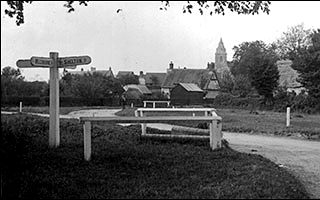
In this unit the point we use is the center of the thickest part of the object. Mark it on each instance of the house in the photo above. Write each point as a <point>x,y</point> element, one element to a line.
<point>136,93</point>
<point>140,88</point>
<point>152,80</point>
<point>124,73</point>
<point>288,76</point>
<point>186,94</point>
<point>107,73</point>
<point>205,79</point>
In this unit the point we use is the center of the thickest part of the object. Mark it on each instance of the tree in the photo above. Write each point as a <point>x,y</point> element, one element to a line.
<point>307,63</point>
<point>90,86</point>
<point>227,82</point>
<point>257,61</point>
<point>242,85</point>
<point>11,79</point>
<point>296,38</point>
<point>16,8</point>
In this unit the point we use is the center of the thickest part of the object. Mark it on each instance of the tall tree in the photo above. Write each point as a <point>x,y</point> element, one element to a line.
<point>291,41</point>
<point>16,8</point>
<point>11,79</point>
<point>257,61</point>
<point>307,63</point>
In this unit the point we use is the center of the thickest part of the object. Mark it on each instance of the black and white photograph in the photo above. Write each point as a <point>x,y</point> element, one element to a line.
<point>160,100</point>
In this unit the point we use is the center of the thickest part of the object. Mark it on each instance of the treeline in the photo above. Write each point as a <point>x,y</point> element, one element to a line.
<point>254,77</point>
<point>75,90</point>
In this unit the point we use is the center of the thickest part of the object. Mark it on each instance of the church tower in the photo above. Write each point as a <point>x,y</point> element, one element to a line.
<point>221,64</point>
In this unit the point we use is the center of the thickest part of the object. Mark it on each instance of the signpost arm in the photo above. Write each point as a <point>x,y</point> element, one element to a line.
<point>54,133</point>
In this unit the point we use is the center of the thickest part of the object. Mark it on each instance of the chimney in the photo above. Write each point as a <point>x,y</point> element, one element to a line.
<point>109,68</point>
<point>210,66</point>
<point>141,73</point>
<point>171,65</point>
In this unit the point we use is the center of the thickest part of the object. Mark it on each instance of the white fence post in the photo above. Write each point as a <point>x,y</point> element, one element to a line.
<point>143,125</point>
<point>20,110</point>
<point>288,116</point>
<point>87,140</point>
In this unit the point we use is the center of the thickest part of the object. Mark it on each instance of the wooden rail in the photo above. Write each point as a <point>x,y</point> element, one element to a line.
<point>139,113</point>
<point>214,129</point>
<point>154,103</point>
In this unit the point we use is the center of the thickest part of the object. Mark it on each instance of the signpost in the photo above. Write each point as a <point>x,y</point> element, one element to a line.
<point>54,63</point>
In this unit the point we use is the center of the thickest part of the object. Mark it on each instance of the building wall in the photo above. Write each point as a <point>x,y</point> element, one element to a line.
<point>180,96</point>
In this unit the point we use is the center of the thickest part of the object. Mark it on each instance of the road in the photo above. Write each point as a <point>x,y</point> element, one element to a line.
<point>301,157</point>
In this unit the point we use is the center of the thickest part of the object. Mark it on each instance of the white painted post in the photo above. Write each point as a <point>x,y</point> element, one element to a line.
<point>213,134</point>
<point>87,140</point>
<point>168,103</point>
<point>206,113</point>
<point>144,104</point>
<point>193,114</point>
<point>288,116</point>
<point>54,132</point>
<point>20,110</point>
<point>219,134</point>
<point>143,126</point>
<point>131,105</point>
<point>154,104</point>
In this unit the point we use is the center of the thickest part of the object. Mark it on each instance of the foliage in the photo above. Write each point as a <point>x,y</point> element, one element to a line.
<point>16,8</point>
<point>90,86</point>
<point>227,82</point>
<point>292,41</point>
<point>307,63</point>
<point>257,61</point>
<point>242,86</point>
<point>13,84</point>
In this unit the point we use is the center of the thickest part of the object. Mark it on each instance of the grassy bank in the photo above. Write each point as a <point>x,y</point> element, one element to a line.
<point>124,165</point>
<point>303,126</point>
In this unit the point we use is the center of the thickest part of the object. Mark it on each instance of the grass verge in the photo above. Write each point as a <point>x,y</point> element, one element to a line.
<point>304,126</point>
<point>124,165</point>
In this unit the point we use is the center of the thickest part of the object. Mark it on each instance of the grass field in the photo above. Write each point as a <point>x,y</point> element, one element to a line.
<point>124,165</point>
<point>303,126</point>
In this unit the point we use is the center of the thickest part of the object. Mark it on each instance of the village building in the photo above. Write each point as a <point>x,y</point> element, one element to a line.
<point>107,73</point>
<point>124,73</point>
<point>221,64</point>
<point>288,77</point>
<point>136,93</point>
<point>152,80</point>
<point>186,94</point>
<point>205,79</point>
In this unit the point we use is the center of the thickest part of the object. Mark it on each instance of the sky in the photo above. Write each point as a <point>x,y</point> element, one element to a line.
<point>141,37</point>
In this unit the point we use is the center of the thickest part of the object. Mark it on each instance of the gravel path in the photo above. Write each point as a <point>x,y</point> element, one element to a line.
<point>301,157</point>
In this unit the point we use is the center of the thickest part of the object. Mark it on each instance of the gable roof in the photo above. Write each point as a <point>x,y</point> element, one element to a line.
<point>288,76</point>
<point>190,87</point>
<point>124,73</point>
<point>159,77</point>
<point>185,76</point>
<point>141,88</point>
<point>107,73</point>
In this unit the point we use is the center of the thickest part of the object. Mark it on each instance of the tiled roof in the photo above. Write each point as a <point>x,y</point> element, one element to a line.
<point>159,76</point>
<point>141,88</point>
<point>191,87</point>
<point>288,76</point>
<point>185,76</point>
<point>124,73</point>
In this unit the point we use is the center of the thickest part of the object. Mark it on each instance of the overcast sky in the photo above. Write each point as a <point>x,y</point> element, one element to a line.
<point>141,37</point>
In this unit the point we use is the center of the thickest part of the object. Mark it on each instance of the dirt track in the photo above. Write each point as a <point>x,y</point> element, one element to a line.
<point>301,157</point>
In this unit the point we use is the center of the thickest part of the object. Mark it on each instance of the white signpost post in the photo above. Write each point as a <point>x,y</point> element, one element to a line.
<point>54,63</point>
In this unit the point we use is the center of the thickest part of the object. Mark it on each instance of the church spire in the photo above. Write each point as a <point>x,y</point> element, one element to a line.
<point>221,48</point>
